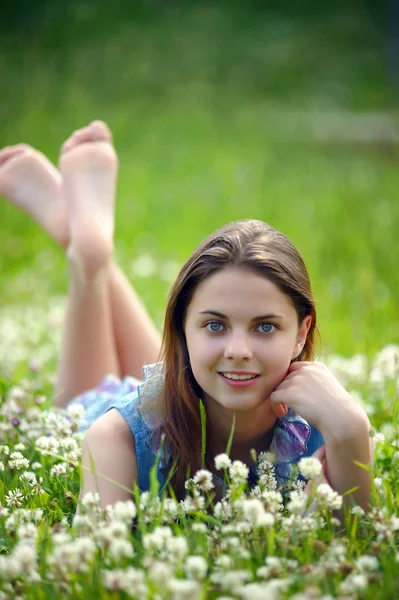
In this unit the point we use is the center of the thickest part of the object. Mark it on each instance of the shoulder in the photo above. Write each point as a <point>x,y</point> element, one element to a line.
<point>109,460</point>
<point>111,426</point>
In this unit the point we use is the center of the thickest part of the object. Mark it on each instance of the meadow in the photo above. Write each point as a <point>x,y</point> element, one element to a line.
<point>219,112</point>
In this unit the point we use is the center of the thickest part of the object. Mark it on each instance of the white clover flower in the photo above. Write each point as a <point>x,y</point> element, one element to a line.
<point>354,582</point>
<point>386,362</point>
<point>170,509</point>
<point>272,501</point>
<point>28,531</point>
<point>258,591</point>
<point>18,461</point>
<point>91,500</point>
<point>124,511</point>
<point>36,465</point>
<point>394,523</point>
<point>81,522</point>
<point>26,556</point>
<point>266,457</point>
<point>20,447</point>
<point>59,469</point>
<point>203,479</point>
<point>329,497</point>
<point>297,503</point>
<point>28,477</point>
<point>379,437</point>
<point>222,461</point>
<point>130,580</point>
<point>192,504</point>
<point>243,527</point>
<point>76,411</point>
<point>117,529</point>
<point>310,467</point>
<point>367,563</point>
<point>1,466</point>
<point>73,457</point>
<point>255,514</point>
<point>196,567</point>
<point>199,528</point>
<point>223,510</point>
<point>266,470</point>
<point>5,450</point>
<point>231,580</point>
<point>120,549</point>
<point>184,589</point>
<point>85,548</point>
<point>223,561</point>
<point>48,446</point>
<point>177,547</point>
<point>238,472</point>
<point>14,498</point>
<point>230,543</point>
<point>357,511</point>
<point>105,534</point>
<point>160,572</point>
<point>157,540</point>
<point>69,444</point>
<point>337,551</point>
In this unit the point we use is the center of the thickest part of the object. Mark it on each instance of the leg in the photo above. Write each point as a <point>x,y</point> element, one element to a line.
<point>88,349</point>
<point>137,340</point>
<point>89,191</point>
<point>31,182</point>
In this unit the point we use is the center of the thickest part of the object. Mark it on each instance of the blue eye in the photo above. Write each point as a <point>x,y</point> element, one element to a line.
<point>267,327</point>
<point>214,326</point>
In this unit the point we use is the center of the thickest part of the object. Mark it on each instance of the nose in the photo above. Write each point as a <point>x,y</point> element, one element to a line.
<point>238,346</point>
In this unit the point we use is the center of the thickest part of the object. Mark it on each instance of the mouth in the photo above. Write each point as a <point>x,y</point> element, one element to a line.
<point>240,379</point>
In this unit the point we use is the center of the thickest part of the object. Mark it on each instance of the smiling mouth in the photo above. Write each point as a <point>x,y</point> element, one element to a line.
<point>237,377</point>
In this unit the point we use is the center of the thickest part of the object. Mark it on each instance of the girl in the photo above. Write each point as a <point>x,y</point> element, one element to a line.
<point>239,334</point>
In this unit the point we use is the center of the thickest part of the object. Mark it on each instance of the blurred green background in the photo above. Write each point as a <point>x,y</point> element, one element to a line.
<point>285,112</point>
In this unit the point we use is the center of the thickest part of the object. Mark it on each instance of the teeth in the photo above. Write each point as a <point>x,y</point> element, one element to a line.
<point>234,376</point>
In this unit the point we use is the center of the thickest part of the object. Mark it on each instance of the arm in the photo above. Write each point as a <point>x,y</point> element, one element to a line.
<point>315,394</point>
<point>111,446</point>
<point>344,446</point>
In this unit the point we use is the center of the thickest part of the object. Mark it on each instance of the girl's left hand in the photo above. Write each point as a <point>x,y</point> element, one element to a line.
<point>313,392</point>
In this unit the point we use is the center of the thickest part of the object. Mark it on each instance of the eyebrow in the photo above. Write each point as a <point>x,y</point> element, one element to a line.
<point>260,318</point>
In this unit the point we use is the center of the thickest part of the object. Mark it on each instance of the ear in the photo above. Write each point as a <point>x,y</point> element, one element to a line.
<point>301,336</point>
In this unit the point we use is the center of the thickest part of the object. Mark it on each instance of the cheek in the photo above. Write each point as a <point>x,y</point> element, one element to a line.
<point>277,360</point>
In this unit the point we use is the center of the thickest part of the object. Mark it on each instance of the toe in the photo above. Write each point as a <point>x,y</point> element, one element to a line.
<point>95,132</point>
<point>78,137</point>
<point>11,151</point>
<point>100,131</point>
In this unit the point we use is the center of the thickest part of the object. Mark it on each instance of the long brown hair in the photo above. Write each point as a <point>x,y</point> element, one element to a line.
<point>251,244</point>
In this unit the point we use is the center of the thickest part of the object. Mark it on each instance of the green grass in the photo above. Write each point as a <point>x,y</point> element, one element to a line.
<point>46,552</point>
<point>197,96</point>
<point>191,93</point>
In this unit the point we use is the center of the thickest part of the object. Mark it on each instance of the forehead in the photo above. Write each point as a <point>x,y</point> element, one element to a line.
<point>239,290</point>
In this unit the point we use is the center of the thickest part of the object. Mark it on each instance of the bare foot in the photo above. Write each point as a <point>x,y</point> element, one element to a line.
<point>88,165</point>
<point>31,182</point>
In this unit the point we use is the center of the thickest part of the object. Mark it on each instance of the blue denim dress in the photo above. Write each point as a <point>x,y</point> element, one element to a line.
<point>293,437</point>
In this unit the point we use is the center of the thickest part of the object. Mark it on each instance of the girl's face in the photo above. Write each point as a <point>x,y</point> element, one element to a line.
<point>242,333</point>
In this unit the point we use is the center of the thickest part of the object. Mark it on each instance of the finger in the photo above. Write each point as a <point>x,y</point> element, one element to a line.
<point>286,383</point>
<point>280,410</point>
<point>295,366</point>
